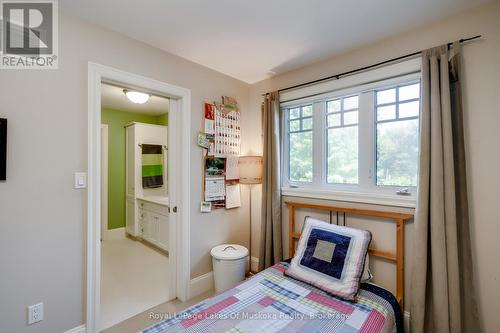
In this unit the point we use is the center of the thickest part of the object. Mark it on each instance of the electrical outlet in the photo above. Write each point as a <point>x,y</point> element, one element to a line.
<point>35,313</point>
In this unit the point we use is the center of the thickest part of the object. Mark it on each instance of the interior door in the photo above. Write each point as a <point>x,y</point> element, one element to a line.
<point>174,172</point>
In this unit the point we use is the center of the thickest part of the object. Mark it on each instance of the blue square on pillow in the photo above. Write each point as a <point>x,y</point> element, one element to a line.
<point>326,252</point>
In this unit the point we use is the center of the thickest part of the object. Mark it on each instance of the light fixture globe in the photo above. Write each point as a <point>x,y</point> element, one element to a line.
<point>136,96</point>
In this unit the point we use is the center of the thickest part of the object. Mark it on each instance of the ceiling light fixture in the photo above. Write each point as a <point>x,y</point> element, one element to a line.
<point>136,96</point>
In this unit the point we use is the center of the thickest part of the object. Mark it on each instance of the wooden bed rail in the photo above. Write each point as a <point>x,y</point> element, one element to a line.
<point>398,218</point>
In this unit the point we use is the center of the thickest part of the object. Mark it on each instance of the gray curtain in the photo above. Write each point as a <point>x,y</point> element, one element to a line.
<point>270,236</point>
<point>443,298</point>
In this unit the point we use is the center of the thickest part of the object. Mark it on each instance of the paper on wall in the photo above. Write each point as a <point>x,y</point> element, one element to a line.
<point>209,126</point>
<point>233,197</point>
<point>232,168</point>
<point>203,140</point>
<point>205,207</point>
<point>211,149</point>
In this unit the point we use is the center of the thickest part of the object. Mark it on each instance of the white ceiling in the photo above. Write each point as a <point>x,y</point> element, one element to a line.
<point>112,97</point>
<point>254,39</point>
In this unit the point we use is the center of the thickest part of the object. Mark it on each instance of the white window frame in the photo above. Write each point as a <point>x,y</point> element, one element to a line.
<point>286,116</point>
<point>397,102</point>
<point>366,191</point>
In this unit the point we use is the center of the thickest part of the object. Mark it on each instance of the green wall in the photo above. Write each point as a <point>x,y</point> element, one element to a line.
<point>116,120</point>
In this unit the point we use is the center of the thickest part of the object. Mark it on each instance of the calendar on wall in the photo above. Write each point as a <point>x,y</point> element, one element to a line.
<point>221,140</point>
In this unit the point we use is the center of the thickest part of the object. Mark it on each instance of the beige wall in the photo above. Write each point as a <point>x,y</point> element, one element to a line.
<point>42,219</point>
<point>482,116</point>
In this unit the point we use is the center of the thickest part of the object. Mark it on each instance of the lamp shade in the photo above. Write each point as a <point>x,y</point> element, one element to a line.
<point>250,168</point>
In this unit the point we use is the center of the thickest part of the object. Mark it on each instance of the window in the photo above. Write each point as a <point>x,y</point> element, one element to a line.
<point>342,140</point>
<point>397,135</point>
<point>358,140</point>
<point>300,138</point>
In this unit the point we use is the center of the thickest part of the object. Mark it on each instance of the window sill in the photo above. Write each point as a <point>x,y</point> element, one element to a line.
<point>357,197</point>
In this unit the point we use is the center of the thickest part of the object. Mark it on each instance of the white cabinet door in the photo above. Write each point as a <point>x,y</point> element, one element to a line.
<point>163,232</point>
<point>149,227</point>
<point>141,218</point>
<point>130,217</point>
<point>154,225</point>
<point>155,228</point>
<point>130,164</point>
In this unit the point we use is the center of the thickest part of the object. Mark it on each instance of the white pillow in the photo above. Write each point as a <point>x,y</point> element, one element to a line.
<point>330,257</point>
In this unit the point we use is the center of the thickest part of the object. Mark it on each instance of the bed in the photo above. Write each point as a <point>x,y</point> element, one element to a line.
<point>272,302</point>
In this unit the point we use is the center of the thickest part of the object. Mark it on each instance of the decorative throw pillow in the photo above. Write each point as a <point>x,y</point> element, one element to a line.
<point>330,257</point>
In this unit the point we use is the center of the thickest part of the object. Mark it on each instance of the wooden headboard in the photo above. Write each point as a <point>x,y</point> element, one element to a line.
<point>397,218</point>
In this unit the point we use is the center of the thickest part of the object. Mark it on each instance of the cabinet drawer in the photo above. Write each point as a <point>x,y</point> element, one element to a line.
<point>154,208</point>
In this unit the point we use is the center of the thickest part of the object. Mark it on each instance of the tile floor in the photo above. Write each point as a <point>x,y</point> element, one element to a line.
<point>133,279</point>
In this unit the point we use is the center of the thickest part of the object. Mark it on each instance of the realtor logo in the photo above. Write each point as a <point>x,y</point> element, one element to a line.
<point>28,34</point>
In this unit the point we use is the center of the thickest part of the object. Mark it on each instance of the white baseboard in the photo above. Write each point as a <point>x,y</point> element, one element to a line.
<point>79,329</point>
<point>114,234</point>
<point>204,283</point>
<point>406,321</point>
<point>201,284</point>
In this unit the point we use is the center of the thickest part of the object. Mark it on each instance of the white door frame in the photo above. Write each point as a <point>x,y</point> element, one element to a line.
<point>104,180</point>
<point>179,146</point>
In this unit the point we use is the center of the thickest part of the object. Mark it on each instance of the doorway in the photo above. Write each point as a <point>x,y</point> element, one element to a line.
<point>135,261</point>
<point>172,182</point>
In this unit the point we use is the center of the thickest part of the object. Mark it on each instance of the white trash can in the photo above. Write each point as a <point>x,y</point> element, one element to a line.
<point>229,264</point>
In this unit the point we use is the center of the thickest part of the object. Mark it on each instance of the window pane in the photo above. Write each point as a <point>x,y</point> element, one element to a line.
<point>334,119</point>
<point>411,109</point>
<point>397,153</point>
<point>386,112</point>
<point>301,165</point>
<point>307,124</point>
<point>409,92</point>
<point>351,118</point>
<point>295,125</point>
<point>386,96</point>
<point>294,113</point>
<point>333,106</point>
<point>343,155</point>
<point>307,111</point>
<point>351,103</point>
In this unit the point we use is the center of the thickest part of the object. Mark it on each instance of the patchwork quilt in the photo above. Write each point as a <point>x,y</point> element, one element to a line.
<point>271,302</point>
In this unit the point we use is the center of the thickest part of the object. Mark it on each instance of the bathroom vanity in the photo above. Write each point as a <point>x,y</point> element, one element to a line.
<point>153,220</point>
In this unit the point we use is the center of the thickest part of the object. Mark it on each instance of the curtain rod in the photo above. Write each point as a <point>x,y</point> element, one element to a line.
<point>338,76</point>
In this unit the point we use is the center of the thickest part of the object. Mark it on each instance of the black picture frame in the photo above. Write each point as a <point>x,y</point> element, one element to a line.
<point>3,149</point>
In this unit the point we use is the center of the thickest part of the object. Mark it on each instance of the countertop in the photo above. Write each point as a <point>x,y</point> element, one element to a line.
<point>155,199</point>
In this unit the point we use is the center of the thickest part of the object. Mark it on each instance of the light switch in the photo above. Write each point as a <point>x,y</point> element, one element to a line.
<point>80,180</point>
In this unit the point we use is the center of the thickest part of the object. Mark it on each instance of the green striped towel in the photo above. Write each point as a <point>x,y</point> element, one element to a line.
<point>152,166</point>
